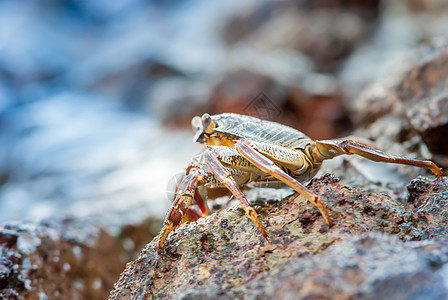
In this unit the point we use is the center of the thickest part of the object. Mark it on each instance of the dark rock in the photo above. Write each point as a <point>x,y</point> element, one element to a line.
<point>325,31</point>
<point>424,6</point>
<point>371,266</point>
<point>68,259</point>
<point>410,108</point>
<point>304,257</point>
<point>428,200</point>
<point>421,189</point>
<point>134,237</point>
<point>424,91</point>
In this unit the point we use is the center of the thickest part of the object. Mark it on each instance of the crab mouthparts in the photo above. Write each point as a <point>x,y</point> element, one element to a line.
<point>200,137</point>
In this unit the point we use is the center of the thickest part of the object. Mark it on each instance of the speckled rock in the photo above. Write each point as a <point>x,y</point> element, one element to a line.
<point>68,259</point>
<point>371,266</point>
<point>225,256</point>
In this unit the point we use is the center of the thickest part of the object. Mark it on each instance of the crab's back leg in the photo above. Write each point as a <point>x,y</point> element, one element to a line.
<point>250,152</point>
<point>226,178</point>
<point>331,148</point>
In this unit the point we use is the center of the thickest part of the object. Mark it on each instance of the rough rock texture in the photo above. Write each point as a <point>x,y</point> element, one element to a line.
<point>424,91</point>
<point>69,259</point>
<point>372,266</point>
<point>410,105</point>
<point>224,256</point>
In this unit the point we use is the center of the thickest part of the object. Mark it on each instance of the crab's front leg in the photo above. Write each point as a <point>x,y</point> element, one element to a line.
<point>184,197</point>
<point>226,178</point>
<point>331,148</point>
<point>206,172</point>
<point>251,151</point>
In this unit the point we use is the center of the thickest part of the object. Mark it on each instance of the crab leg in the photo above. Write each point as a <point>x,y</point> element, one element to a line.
<point>194,212</point>
<point>199,195</point>
<point>331,148</point>
<point>184,196</point>
<point>193,188</point>
<point>226,178</point>
<point>249,151</point>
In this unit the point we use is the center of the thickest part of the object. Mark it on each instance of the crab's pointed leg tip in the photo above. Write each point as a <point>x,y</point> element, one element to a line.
<point>161,240</point>
<point>158,248</point>
<point>328,221</point>
<point>263,232</point>
<point>266,236</point>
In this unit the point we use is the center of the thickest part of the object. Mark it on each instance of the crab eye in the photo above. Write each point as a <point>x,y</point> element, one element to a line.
<point>206,120</point>
<point>196,123</point>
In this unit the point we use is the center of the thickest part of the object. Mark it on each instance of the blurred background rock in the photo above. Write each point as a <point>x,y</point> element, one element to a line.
<point>96,97</point>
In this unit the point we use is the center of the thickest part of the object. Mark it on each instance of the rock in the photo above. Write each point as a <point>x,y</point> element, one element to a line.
<point>68,259</point>
<point>224,256</point>
<point>410,107</point>
<point>371,266</point>
<point>420,6</point>
<point>424,92</point>
<point>133,237</point>
<point>377,101</point>
<point>325,31</point>
<point>427,199</point>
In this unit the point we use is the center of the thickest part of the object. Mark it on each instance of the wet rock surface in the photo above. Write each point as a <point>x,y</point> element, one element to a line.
<point>224,256</point>
<point>67,259</point>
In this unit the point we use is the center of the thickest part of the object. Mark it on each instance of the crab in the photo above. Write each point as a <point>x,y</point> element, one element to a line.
<point>241,149</point>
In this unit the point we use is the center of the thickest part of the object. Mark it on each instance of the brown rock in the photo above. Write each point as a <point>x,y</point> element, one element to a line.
<point>371,266</point>
<point>326,31</point>
<point>224,256</point>
<point>424,90</point>
<point>409,107</point>
<point>69,259</point>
